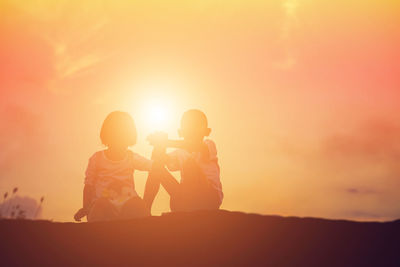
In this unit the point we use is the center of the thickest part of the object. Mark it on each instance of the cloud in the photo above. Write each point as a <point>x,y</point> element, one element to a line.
<point>77,53</point>
<point>21,136</point>
<point>353,173</point>
<point>378,138</point>
<point>366,162</point>
<point>360,191</point>
<point>42,56</point>
<point>289,22</point>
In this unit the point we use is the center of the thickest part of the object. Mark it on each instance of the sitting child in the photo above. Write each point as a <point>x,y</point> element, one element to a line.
<point>109,191</point>
<point>200,186</point>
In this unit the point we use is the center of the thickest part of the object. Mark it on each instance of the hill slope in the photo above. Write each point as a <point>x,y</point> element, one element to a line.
<point>203,239</point>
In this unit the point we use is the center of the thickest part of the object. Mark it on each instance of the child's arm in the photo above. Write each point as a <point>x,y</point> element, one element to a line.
<point>89,191</point>
<point>160,142</point>
<point>88,196</point>
<point>161,158</point>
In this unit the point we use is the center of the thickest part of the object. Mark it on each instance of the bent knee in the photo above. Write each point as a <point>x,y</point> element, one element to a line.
<point>101,201</point>
<point>102,209</point>
<point>135,207</point>
<point>135,203</point>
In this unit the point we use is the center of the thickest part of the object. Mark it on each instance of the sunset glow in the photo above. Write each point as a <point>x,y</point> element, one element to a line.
<point>302,97</point>
<point>157,115</point>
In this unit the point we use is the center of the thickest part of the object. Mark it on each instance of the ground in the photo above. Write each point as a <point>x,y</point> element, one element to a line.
<point>203,238</point>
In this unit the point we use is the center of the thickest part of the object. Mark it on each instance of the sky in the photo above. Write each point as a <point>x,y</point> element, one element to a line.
<point>302,97</point>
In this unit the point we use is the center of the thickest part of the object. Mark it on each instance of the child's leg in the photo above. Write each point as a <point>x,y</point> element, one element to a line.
<point>210,199</point>
<point>102,210</point>
<point>198,195</point>
<point>151,189</point>
<point>170,184</point>
<point>155,178</point>
<point>194,194</point>
<point>135,207</point>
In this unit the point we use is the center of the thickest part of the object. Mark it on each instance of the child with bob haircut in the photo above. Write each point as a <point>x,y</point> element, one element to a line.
<point>196,159</point>
<point>109,191</point>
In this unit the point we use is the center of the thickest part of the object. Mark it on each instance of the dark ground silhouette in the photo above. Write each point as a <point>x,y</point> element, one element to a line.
<point>214,238</point>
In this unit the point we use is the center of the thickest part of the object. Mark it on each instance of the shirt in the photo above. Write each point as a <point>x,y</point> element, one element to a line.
<point>208,165</point>
<point>114,179</point>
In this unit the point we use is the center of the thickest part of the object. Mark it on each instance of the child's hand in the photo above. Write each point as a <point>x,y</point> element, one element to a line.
<point>80,214</point>
<point>158,139</point>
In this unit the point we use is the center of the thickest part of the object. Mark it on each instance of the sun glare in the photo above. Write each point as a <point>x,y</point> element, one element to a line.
<point>157,115</point>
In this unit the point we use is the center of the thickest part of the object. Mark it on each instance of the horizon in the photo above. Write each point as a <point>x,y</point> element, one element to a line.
<point>301,96</point>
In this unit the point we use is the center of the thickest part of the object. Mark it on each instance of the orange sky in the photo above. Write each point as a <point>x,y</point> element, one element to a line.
<point>302,96</point>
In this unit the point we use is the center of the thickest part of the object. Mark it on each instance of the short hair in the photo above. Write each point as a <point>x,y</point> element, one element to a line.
<point>194,118</point>
<point>118,129</point>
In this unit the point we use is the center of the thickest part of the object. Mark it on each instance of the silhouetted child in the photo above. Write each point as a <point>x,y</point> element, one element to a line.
<point>200,186</point>
<point>109,191</point>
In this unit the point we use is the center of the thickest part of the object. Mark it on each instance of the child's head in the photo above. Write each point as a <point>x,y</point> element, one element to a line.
<point>194,125</point>
<point>118,130</point>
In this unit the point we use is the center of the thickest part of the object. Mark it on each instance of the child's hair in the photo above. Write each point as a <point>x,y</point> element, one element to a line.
<point>194,124</point>
<point>118,129</point>
<point>194,118</point>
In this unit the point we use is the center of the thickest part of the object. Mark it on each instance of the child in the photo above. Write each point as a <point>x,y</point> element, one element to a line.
<point>109,191</point>
<point>200,187</point>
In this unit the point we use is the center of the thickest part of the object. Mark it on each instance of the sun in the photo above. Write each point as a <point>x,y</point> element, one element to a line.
<point>157,114</point>
<point>154,107</point>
